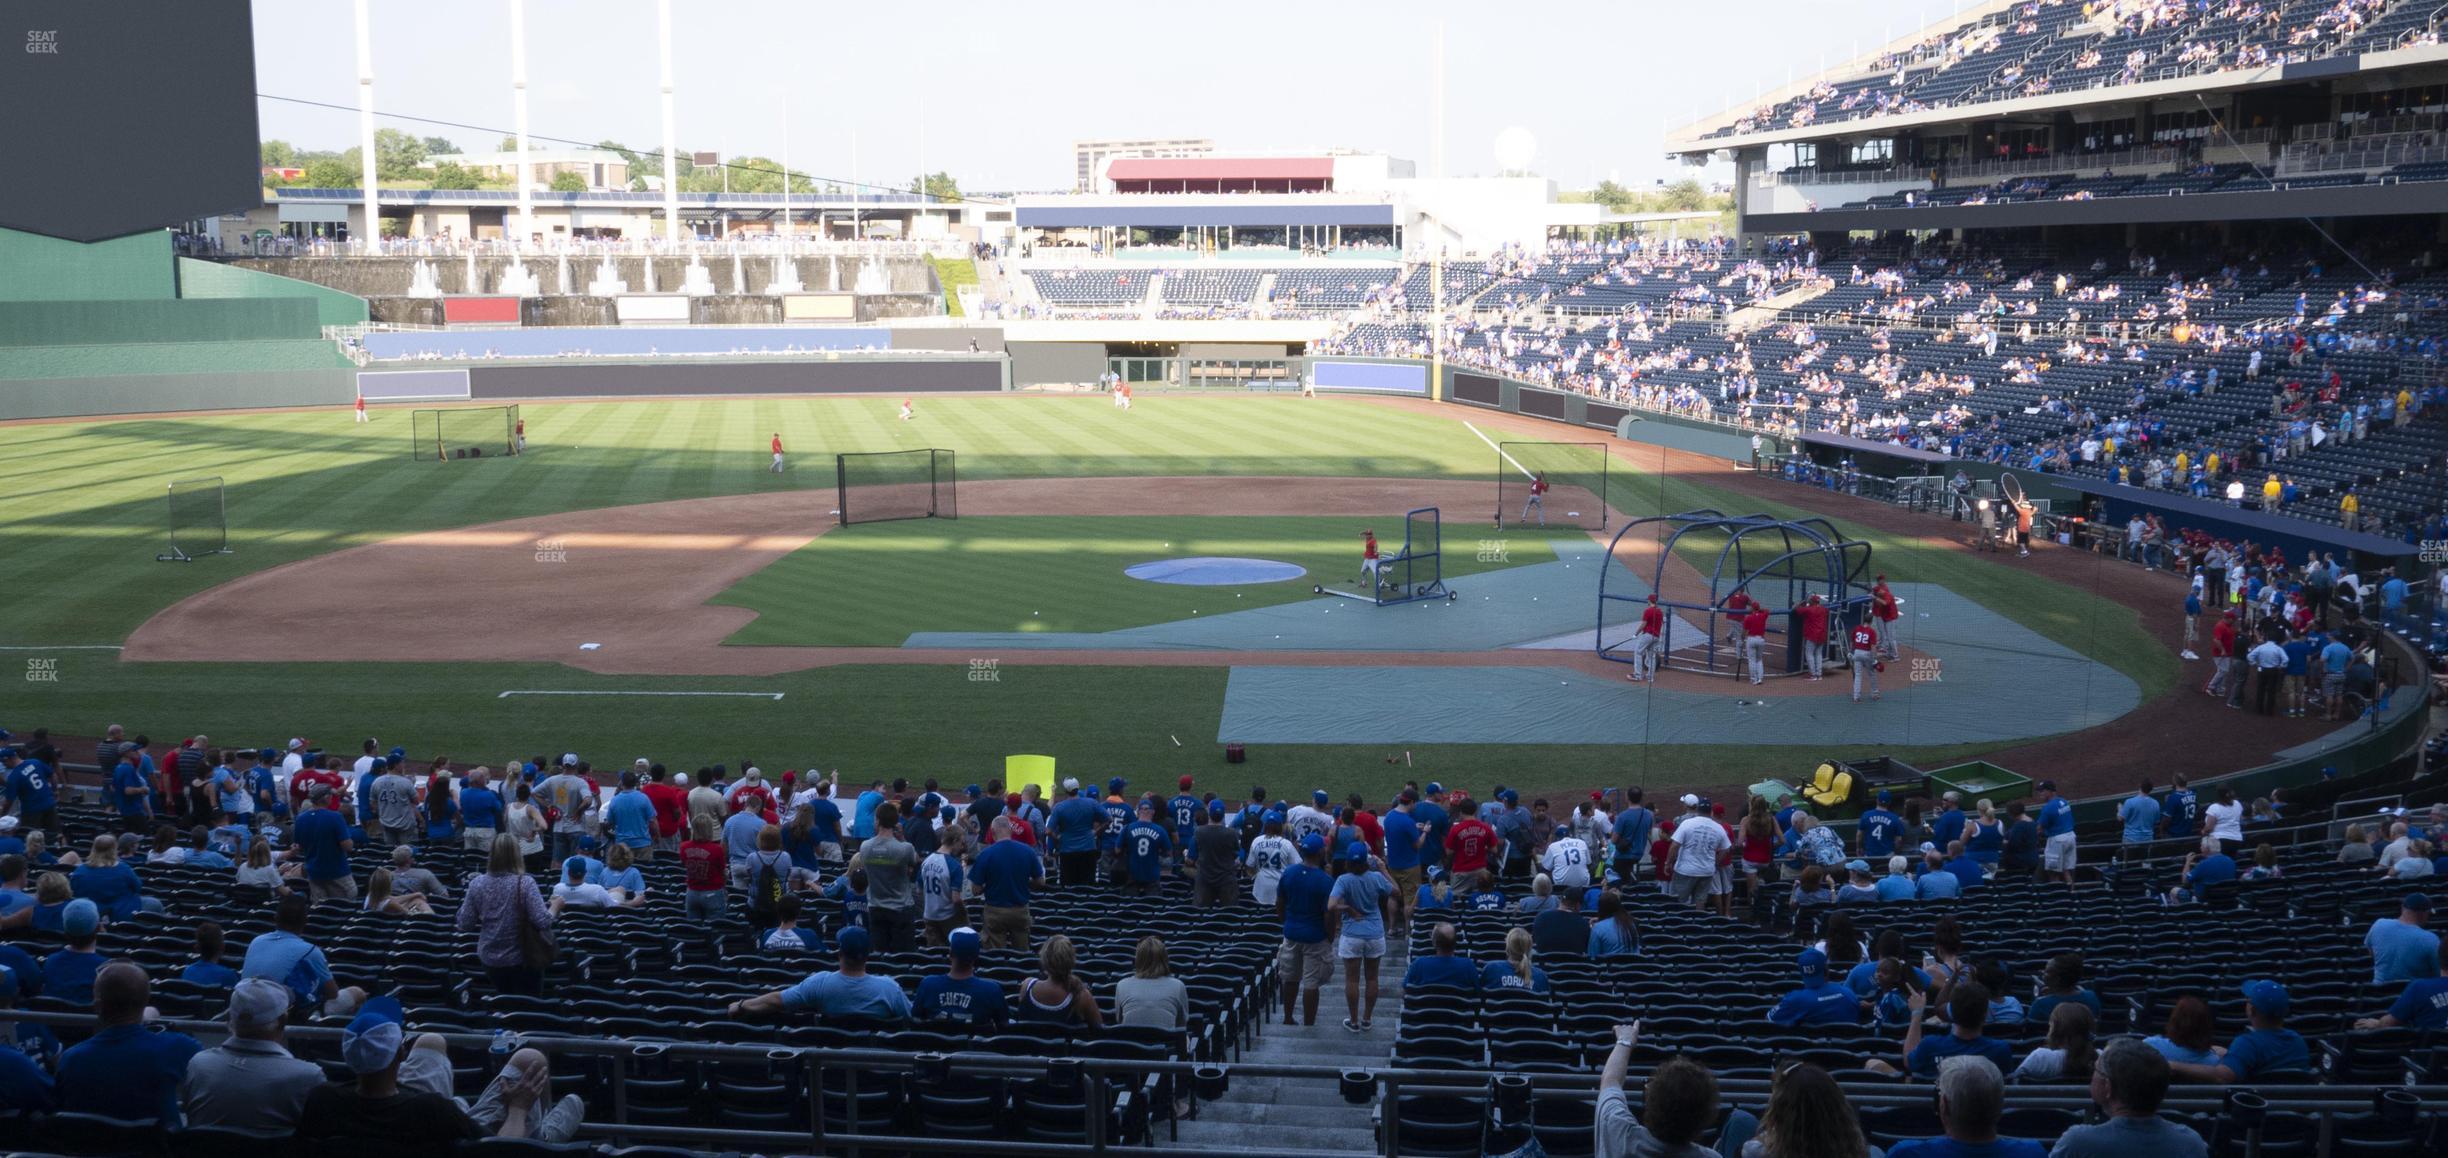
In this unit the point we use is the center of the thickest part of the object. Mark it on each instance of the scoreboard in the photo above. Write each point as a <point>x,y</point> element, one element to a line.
<point>119,116</point>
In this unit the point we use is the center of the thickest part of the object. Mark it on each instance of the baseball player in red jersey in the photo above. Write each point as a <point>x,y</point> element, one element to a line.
<point>1648,643</point>
<point>1537,500</point>
<point>1368,558</point>
<point>1865,659</point>
<point>906,412</point>
<point>1755,641</point>
<point>1736,606</point>
<point>777,451</point>
<point>1886,607</point>
<point>361,415</point>
<point>2222,654</point>
<point>1814,616</point>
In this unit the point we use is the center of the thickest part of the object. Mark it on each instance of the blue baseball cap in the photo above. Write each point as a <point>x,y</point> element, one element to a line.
<point>854,942</point>
<point>1509,796</point>
<point>1320,796</point>
<point>1116,785</point>
<point>1435,788</point>
<point>1356,850</point>
<point>586,844</point>
<point>1884,796</point>
<point>80,918</point>
<point>964,942</point>
<point>8,753</point>
<point>399,753</point>
<point>2267,996</point>
<point>973,791</point>
<point>268,755</point>
<point>1812,963</point>
<point>1273,816</point>
<point>2417,903</point>
<point>372,1040</point>
<point>1312,843</point>
<point>1215,808</point>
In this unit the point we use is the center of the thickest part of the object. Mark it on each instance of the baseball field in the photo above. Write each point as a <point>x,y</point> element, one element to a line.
<point>640,583</point>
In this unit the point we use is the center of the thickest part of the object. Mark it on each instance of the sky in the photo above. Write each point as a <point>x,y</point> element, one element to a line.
<point>994,93</point>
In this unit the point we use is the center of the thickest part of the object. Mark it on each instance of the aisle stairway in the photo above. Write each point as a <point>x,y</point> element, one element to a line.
<point>1308,1115</point>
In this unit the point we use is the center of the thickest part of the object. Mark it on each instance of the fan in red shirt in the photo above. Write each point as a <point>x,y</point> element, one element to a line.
<point>1366,821</point>
<point>705,865</point>
<point>1021,830</point>
<point>1866,663</point>
<point>312,774</point>
<point>1814,616</point>
<point>1886,607</point>
<point>670,805</point>
<point>1468,841</point>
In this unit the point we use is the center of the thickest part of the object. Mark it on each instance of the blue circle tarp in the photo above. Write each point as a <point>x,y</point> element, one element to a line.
<point>1211,571</point>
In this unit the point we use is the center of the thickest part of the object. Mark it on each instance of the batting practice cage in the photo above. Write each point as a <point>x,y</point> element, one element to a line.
<point>465,432</point>
<point>1415,572</point>
<point>1700,561</point>
<point>199,520</point>
<point>1576,474</point>
<point>896,484</point>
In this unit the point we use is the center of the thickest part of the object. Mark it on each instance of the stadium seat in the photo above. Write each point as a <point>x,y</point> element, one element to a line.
<point>95,1135</point>
<point>1839,791</point>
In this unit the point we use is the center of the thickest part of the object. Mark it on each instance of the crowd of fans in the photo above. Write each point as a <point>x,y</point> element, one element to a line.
<point>902,864</point>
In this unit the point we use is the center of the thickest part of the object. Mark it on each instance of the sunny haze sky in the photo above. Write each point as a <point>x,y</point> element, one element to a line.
<point>1008,86</point>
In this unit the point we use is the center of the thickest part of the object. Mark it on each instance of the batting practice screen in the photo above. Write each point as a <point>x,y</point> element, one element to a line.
<point>896,484</point>
<point>465,432</point>
<point>1576,474</point>
<point>199,520</point>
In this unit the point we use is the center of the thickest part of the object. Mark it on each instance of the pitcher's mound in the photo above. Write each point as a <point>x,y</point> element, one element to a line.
<point>1214,571</point>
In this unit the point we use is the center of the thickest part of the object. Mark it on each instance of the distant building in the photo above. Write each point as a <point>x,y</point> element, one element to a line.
<point>599,168</point>
<point>1090,155</point>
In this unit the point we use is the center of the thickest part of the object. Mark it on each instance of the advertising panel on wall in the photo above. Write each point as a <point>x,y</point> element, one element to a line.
<point>601,380</point>
<point>1544,403</point>
<point>1478,390</point>
<point>1376,377</point>
<point>406,385</point>
<point>636,308</point>
<point>488,310</point>
<point>819,307</point>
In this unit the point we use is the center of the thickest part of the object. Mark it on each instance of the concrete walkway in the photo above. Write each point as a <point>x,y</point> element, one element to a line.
<point>1307,1116</point>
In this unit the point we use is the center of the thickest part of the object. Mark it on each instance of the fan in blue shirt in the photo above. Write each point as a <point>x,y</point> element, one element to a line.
<point>1819,1001</point>
<point>1075,824</point>
<point>127,1069</point>
<point>1146,844</point>
<point>2140,814</point>
<point>1300,894</point>
<point>961,996</point>
<point>2267,1047</point>
<point>1878,829</point>
<point>2401,949</point>
<point>30,784</point>
<point>1402,835</point>
<point>2422,1005</point>
<point>630,815</point>
<point>1118,816</point>
<point>2177,810</point>
<point>1004,871</point>
<point>1433,821</point>
<point>1184,808</point>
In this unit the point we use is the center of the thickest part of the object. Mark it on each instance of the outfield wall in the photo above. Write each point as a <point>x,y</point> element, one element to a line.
<point>666,379</point>
<point>150,393</point>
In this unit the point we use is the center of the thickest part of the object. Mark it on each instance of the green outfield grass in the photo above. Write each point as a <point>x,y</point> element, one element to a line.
<point>81,513</point>
<point>886,720</point>
<point>874,584</point>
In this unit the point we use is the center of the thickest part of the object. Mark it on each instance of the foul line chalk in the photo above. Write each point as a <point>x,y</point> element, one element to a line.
<point>1500,450</point>
<point>67,647</point>
<point>749,695</point>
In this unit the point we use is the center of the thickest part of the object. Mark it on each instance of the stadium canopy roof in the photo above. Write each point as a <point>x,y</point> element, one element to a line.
<point>1221,174</point>
<point>1220,168</point>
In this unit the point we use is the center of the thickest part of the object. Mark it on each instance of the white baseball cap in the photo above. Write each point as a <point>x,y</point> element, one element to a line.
<point>1690,800</point>
<point>643,762</point>
<point>680,778</point>
<point>297,742</point>
<point>569,759</point>
<point>754,773</point>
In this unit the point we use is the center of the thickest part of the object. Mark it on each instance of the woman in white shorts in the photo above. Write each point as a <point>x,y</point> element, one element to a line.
<point>1360,895</point>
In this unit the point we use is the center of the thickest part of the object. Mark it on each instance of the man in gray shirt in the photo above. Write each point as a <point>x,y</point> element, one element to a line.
<point>892,889</point>
<point>395,805</point>
<point>407,876</point>
<point>2129,1081</point>
<point>250,1082</point>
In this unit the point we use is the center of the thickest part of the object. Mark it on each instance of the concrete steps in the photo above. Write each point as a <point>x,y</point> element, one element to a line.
<point>1256,1112</point>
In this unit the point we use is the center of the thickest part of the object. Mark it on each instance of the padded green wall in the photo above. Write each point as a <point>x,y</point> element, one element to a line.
<point>106,323</point>
<point>44,269</point>
<point>213,279</point>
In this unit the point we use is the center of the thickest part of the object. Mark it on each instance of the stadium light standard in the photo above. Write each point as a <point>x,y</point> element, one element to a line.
<point>365,126</point>
<point>518,107</point>
<point>671,160</point>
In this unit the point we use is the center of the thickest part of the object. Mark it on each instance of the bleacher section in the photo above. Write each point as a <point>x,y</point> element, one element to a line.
<point>621,342</point>
<point>2048,46</point>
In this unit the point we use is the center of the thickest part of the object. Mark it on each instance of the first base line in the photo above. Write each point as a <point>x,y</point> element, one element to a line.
<point>749,695</point>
